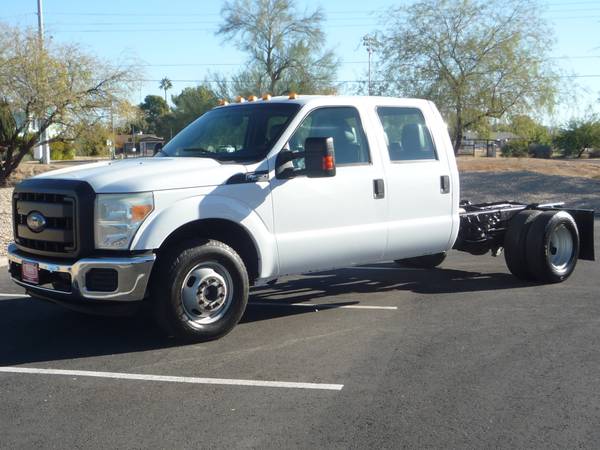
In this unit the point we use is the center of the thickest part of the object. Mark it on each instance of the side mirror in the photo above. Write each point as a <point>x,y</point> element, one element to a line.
<point>319,157</point>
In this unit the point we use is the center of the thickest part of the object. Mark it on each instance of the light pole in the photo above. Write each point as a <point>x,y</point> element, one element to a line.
<point>44,147</point>
<point>369,43</point>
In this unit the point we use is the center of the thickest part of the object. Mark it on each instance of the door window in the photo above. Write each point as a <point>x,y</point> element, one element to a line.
<point>343,125</point>
<point>407,135</point>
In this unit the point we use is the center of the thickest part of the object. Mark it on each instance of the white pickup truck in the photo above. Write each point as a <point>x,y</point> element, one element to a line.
<point>259,189</point>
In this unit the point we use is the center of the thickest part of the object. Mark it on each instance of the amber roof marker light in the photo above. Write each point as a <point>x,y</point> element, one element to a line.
<point>223,102</point>
<point>293,96</point>
<point>266,97</point>
<point>240,99</point>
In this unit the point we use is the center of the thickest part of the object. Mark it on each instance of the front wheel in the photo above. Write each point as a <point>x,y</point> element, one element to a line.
<point>200,290</point>
<point>423,262</point>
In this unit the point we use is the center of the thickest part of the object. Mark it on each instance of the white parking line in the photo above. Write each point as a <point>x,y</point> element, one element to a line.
<point>14,295</point>
<point>171,379</point>
<point>323,305</point>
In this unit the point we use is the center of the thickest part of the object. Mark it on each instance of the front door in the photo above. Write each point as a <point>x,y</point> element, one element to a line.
<point>323,223</point>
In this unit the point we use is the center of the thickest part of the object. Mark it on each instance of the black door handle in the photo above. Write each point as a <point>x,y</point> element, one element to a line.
<point>444,184</point>
<point>378,188</point>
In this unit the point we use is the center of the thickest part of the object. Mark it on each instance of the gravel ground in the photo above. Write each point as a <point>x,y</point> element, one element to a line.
<point>5,219</point>
<point>477,187</point>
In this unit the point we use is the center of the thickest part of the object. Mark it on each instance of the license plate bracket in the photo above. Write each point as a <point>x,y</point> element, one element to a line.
<point>30,272</point>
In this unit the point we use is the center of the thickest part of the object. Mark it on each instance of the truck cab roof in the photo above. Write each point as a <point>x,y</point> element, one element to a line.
<point>332,100</point>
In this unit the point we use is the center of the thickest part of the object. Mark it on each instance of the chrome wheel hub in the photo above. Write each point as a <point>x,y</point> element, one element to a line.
<point>560,248</point>
<point>206,293</point>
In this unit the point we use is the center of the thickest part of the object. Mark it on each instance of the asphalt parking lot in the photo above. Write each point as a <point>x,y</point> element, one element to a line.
<point>463,356</point>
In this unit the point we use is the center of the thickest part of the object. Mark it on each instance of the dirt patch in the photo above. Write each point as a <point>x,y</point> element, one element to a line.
<point>584,168</point>
<point>30,169</point>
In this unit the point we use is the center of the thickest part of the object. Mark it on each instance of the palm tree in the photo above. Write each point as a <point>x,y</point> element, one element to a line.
<point>165,84</point>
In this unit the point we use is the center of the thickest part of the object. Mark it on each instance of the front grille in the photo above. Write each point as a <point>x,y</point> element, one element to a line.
<point>67,207</point>
<point>59,233</point>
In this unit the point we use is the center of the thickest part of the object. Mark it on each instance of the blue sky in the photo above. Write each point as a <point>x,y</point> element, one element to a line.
<point>176,39</point>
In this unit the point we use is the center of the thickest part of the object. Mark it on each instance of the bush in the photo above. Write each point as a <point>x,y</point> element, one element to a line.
<point>516,148</point>
<point>595,153</point>
<point>62,151</point>
<point>540,151</point>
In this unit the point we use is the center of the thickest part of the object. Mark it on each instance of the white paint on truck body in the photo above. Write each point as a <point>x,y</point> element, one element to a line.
<point>302,224</point>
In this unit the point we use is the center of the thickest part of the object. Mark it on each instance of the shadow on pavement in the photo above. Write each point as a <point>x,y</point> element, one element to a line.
<point>390,277</point>
<point>35,331</point>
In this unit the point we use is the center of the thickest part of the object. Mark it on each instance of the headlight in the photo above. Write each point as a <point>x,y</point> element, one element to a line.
<point>118,217</point>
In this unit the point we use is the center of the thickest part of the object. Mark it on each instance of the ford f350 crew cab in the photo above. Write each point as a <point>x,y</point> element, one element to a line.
<point>255,190</point>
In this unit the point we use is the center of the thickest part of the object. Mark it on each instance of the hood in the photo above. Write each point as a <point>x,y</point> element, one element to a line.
<point>148,174</point>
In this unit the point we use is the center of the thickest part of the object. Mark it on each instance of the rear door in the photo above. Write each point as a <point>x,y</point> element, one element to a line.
<point>418,182</point>
<point>323,223</point>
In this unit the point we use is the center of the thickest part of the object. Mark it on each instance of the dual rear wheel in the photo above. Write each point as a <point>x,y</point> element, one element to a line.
<point>542,246</point>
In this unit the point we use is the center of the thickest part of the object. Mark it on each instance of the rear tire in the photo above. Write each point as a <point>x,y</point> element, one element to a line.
<point>552,246</point>
<point>423,262</point>
<point>200,290</point>
<point>515,249</point>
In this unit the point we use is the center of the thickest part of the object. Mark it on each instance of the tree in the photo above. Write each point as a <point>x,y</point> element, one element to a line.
<point>165,85</point>
<point>284,47</point>
<point>190,104</point>
<point>578,136</point>
<point>476,59</point>
<point>156,113</point>
<point>48,87</point>
<point>527,129</point>
<point>91,141</point>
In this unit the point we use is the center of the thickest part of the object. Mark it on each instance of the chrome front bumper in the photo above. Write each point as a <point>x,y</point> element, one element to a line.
<point>133,275</point>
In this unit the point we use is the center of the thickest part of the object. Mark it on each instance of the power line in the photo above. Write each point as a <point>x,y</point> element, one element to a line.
<point>146,80</point>
<point>208,64</point>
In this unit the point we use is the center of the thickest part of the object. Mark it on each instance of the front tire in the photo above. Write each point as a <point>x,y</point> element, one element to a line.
<point>200,290</point>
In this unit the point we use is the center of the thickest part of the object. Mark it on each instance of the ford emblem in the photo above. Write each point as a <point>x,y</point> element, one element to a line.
<point>36,222</point>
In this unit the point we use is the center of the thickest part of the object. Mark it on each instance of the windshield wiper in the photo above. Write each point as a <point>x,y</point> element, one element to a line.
<point>200,150</point>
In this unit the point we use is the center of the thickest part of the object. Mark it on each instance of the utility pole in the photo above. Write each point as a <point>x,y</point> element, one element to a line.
<point>44,147</point>
<point>369,43</point>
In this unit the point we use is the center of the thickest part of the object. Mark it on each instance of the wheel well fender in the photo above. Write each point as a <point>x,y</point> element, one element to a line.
<point>226,231</point>
<point>216,217</point>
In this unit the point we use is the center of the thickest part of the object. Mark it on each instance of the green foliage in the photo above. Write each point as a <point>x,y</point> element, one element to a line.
<point>578,136</point>
<point>541,151</point>
<point>156,115</point>
<point>285,48</point>
<point>190,104</point>
<point>475,59</point>
<point>7,124</point>
<point>530,130</point>
<point>515,148</point>
<point>165,85</point>
<point>62,151</point>
<point>91,140</point>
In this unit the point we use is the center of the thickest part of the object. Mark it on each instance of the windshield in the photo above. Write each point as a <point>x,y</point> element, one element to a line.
<point>233,133</point>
